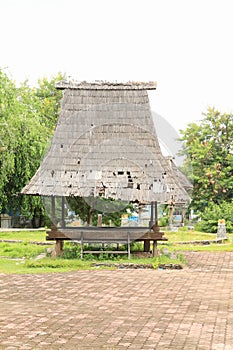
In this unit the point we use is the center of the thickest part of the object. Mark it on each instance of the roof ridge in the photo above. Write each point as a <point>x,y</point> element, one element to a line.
<point>106,85</point>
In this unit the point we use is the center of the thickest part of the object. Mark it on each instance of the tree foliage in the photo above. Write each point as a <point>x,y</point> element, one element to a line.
<point>27,120</point>
<point>28,117</point>
<point>208,147</point>
<point>212,213</point>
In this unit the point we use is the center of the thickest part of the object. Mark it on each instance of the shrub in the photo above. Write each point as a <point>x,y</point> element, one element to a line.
<point>71,250</point>
<point>164,221</point>
<point>212,214</point>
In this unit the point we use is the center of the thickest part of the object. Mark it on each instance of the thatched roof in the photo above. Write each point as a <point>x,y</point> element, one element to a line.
<point>104,144</point>
<point>180,186</point>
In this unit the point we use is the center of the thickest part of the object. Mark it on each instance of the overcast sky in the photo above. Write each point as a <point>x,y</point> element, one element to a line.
<point>184,45</point>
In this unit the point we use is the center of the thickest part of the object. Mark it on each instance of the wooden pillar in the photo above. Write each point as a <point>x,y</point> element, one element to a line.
<point>99,223</point>
<point>59,247</point>
<point>156,213</point>
<point>155,249</point>
<point>128,244</point>
<point>59,243</point>
<point>151,215</point>
<point>63,223</point>
<point>151,223</point>
<point>171,208</point>
<point>81,245</point>
<point>139,214</point>
<point>147,246</point>
<point>182,216</point>
<point>53,216</point>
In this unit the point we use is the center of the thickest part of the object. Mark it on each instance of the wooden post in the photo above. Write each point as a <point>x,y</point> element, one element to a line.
<point>59,243</point>
<point>151,215</point>
<point>155,250</point>
<point>156,213</point>
<point>155,247</point>
<point>151,223</point>
<point>59,247</point>
<point>147,246</point>
<point>99,224</point>
<point>63,223</point>
<point>82,245</point>
<point>171,216</point>
<point>128,244</point>
<point>53,216</point>
<point>182,216</point>
<point>140,217</point>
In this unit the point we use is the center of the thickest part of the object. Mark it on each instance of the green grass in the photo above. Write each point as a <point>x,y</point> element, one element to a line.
<point>20,250</point>
<point>45,265</point>
<point>188,236</point>
<point>48,265</point>
<point>19,258</point>
<point>192,236</point>
<point>213,247</point>
<point>28,236</point>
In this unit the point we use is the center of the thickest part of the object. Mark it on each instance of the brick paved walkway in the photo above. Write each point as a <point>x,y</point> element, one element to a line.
<point>124,309</point>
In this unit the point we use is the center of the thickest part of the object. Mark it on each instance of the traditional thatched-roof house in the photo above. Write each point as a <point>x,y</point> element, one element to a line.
<point>105,144</point>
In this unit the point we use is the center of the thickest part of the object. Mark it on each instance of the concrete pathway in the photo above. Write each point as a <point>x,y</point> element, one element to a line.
<point>123,309</point>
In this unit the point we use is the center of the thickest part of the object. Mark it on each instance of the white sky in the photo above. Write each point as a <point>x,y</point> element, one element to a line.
<point>185,45</point>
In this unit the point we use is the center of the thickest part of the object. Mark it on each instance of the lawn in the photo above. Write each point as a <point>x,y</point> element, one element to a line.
<point>192,237</point>
<point>22,257</point>
<point>27,235</point>
<point>213,247</point>
<point>183,235</point>
<point>21,250</point>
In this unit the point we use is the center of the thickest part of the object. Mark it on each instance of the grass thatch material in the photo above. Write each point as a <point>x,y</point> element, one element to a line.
<point>105,144</point>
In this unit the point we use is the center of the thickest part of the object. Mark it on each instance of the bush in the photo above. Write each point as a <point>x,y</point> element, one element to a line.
<point>71,251</point>
<point>136,247</point>
<point>164,221</point>
<point>212,214</point>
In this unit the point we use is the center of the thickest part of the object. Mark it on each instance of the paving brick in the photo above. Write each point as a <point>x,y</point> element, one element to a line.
<point>112,310</point>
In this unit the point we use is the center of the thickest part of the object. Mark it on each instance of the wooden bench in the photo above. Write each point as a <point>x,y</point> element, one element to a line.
<point>105,235</point>
<point>107,238</point>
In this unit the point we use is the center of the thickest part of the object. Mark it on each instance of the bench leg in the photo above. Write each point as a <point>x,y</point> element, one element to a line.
<point>59,247</point>
<point>155,249</point>
<point>146,246</point>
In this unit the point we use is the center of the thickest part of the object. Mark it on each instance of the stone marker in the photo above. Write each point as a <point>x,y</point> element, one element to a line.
<point>221,233</point>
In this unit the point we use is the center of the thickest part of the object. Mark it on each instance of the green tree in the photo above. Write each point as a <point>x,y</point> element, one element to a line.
<point>7,105</point>
<point>27,120</point>
<point>208,147</point>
